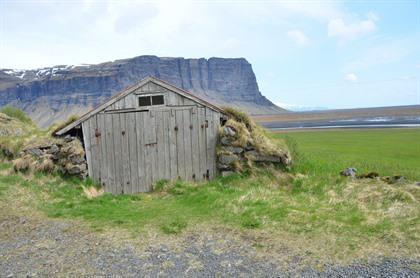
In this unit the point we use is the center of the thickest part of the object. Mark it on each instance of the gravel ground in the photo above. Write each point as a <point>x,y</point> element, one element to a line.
<point>44,247</point>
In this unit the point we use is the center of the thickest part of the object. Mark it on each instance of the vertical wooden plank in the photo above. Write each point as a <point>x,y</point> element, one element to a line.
<point>172,136</point>
<point>194,144</point>
<point>187,143</point>
<point>211,151</point>
<point>216,124</point>
<point>132,151</point>
<point>172,98</point>
<point>125,154</point>
<point>118,155</point>
<point>148,152</point>
<point>202,140</point>
<point>94,149</point>
<point>166,142</point>
<point>153,149</point>
<point>140,131</point>
<point>179,122</point>
<point>131,101</point>
<point>109,131</point>
<point>100,119</point>
<point>160,147</point>
<point>88,150</point>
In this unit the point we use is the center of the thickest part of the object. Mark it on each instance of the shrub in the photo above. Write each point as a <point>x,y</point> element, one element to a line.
<point>16,113</point>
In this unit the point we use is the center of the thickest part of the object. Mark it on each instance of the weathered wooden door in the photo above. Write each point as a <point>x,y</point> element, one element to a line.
<point>129,152</point>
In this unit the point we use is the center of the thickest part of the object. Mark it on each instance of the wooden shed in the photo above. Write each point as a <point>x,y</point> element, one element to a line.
<point>149,132</point>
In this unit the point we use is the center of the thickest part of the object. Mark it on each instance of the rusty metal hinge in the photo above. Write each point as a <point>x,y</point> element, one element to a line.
<point>97,133</point>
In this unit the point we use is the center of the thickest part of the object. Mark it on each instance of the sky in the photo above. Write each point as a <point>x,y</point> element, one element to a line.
<point>325,54</point>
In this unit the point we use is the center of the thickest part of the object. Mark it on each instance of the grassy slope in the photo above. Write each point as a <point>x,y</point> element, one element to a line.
<point>319,212</point>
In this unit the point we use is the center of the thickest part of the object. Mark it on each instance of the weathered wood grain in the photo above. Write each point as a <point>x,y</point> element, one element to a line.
<point>173,150</point>
<point>195,150</point>
<point>187,143</point>
<point>179,122</point>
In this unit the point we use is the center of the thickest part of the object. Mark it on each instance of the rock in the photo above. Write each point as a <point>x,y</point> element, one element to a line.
<point>226,141</point>
<point>68,138</point>
<point>249,148</point>
<point>228,158</point>
<point>35,152</point>
<point>417,183</point>
<point>349,172</point>
<point>76,159</point>
<point>393,179</point>
<point>265,158</point>
<point>75,169</point>
<point>227,173</point>
<point>53,149</point>
<point>235,150</point>
<point>396,179</point>
<point>229,131</point>
<point>251,153</point>
<point>222,166</point>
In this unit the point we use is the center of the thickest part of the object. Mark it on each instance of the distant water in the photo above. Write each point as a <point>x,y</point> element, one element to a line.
<point>375,122</point>
<point>349,126</point>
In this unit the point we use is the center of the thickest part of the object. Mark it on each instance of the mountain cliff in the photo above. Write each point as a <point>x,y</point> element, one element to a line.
<point>53,94</point>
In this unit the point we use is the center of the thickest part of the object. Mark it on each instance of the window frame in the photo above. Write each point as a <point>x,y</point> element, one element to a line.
<point>151,101</point>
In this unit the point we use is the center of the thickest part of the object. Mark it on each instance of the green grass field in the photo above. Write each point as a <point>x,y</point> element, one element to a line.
<point>309,206</point>
<point>386,151</point>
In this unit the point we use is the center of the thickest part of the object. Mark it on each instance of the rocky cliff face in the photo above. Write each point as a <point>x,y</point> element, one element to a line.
<point>53,94</point>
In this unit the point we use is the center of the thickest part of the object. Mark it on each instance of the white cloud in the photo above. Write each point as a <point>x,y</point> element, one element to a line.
<point>298,37</point>
<point>351,77</point>
<point>347,31</point>
<point>382,52</point>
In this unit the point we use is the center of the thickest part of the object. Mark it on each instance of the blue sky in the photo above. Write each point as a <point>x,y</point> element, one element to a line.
<point>335,54</point>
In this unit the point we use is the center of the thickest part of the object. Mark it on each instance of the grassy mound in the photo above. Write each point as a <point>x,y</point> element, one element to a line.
<point>15,129</point>
<point>16,113</point>
<point>242,143</point>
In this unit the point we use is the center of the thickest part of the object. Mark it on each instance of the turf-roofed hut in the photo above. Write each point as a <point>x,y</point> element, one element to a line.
<point>149,132</point>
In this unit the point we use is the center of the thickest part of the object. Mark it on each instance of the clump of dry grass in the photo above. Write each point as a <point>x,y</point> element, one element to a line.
<point>242,136</point>
<point>93,192</point>
<point>22,164</point>
<point>45,165</point>
<point>240,117</point>
<point>56,127</point>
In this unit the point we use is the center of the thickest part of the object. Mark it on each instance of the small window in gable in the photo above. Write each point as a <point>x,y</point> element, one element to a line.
<point>157,100</point>
<point>144,101</point>
<point>151,100</point>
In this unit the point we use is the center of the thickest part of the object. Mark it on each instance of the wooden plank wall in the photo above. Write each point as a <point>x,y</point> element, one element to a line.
<point>127,152</point>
